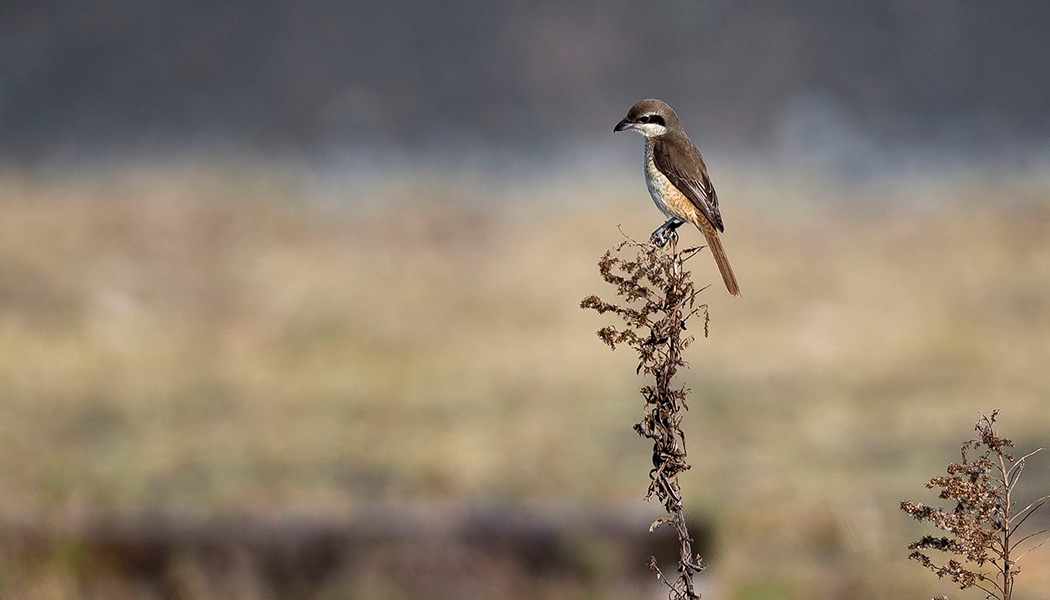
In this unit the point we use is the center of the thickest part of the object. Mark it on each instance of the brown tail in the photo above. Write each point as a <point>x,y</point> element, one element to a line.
<point>715,246</point>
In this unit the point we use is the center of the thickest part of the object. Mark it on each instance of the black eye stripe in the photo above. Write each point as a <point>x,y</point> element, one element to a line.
<point>654,119</point>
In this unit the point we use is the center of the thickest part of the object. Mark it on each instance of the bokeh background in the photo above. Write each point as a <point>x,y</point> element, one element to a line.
<point>289,292</point>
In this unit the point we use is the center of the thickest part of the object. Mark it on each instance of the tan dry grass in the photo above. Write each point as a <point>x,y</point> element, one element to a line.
<point>213,340</point>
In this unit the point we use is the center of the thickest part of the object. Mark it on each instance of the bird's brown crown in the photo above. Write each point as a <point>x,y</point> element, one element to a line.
<point>652,110</point>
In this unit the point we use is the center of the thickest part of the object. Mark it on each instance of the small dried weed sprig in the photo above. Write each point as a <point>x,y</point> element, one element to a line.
<point>983,525</point>
<point>658,298</point>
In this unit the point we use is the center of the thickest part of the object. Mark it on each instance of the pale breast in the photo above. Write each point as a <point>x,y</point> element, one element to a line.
<point>671,202</point>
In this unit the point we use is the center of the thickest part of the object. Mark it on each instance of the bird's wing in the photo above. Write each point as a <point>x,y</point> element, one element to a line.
<point>683,166</point>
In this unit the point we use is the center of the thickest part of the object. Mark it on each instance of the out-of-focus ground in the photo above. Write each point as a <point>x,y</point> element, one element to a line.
<point>221,342</point>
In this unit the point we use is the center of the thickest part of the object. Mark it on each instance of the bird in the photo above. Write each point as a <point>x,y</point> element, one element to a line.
<point>677,179</point>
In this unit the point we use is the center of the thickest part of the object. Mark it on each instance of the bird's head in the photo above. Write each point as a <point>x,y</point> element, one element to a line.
<point>650,117</point>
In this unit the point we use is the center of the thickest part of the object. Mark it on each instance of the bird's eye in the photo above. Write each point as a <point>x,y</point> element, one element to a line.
<point>656,120</point>
<point>643,119</point>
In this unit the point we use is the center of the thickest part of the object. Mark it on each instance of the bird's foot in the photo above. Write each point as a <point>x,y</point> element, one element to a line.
<point>657,238</point>
<point>664,234</point>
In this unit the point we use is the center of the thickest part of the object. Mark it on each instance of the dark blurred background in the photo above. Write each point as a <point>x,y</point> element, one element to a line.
<point>858,84</point>
<point>289,292</point>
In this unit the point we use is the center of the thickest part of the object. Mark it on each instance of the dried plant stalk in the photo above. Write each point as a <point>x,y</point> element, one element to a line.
<point>657,299</point>
<point>983,525</point>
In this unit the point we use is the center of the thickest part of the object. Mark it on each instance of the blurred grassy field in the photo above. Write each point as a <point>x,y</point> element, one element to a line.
<point>235,340</point>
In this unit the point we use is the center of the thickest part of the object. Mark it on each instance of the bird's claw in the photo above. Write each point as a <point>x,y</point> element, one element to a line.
<point>661,236</point>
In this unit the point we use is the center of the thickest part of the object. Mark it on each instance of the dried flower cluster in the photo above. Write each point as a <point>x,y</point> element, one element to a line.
<point>983,524</point>
<point>657,300</point>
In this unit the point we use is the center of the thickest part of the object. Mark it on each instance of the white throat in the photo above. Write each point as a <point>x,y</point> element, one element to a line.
<point>650,130</point>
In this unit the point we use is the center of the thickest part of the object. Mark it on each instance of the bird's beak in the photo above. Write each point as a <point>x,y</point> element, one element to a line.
<point>622,125</point>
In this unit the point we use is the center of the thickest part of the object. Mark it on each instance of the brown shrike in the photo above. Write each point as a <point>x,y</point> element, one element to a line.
<point>677,179</point>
